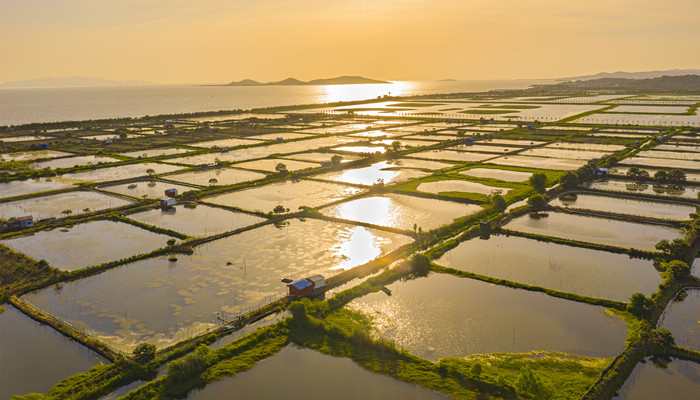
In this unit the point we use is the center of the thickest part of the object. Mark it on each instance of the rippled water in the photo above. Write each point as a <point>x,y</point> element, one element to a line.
<point>36,357</point>
<point>454,185</point>
<point>596,230</point>
<point>644,188</point>
<point>289,194</point>
<point>446,316</point>
<point>570,269</point>
<point>682,318</point>
<point>164,302</point>
<point>87,244</point>
<point>621,205</point>
<point>315,374</point>
<point>54,205</point>
<point>384,171</point>
<point>221,176</point>
<point>502,174</point>
<point>402,211</point>
<point>679,380</point>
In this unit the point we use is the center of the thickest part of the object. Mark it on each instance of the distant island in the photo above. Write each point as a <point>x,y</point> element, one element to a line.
<point>70,81</point>
<point>633,75</point>
<point>340,80</point>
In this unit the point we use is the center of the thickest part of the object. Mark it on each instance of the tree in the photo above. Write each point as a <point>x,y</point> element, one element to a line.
<point>395,146</point>
<point>676,176</point>
<point>661,176</point>
<point>569,180</point>
<point>530,385</point>
<point>639,305</point>
<point>633,172</point>
<point>498,202</point>
<point>280,209</point>
<point>213,181</point>
<point>676,270</point>
<point>476,369</point>
<point>171,242</point>
<point>537,201</point>
<point>281,168</point>
<point>144,352</point>
<point>677,249</point>
<point>538,181</point>
<point>67,212</point>
<point>336,160</point>
<point>150,171</point>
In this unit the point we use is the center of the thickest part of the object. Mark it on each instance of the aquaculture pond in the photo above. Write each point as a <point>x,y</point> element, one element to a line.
<point>564,153</point>
<point>270,165</point>
<point>688,192</point>
<point>321,157</point>
<point>196,219</point>
<point>563,164</point>
<point>452,155</point>
<point>401,211</point>
<point>35,357</point>
<point>383,171</point>
<point>145,189</point>
<point>116,173</point>
<point>419,164</point>
<point>661,163</point>
<point>677,379</point>
<point>280,135</point>
<point>87,244</point>
<point>68,162</point>
<point>216,176</point>
<point>164,302</point>
<point>18,188</point>
<point>625,205</point>
<point>361,149</point>
<point>319,375</point>
<point>446,316</point>
<point>501,174</point>
<point>24,138</point>
<point>682,318</point>
<point>455,185</point>
<point>598,230</point>
<point>60,205</point>
<point>33,155</point>
<point>679,155</point>
<point>585,146</point>
<point>229,156</point>
<point>288,194</point>
<point>233,142</point>
<point>155,152</point>
<point>569,269</point>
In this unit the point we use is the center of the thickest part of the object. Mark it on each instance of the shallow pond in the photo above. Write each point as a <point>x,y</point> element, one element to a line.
<point>405,142</point>
<point>678,380</point>
<point>35,357</point>
<point>585,146</point>
<point>275,136</point>
<point>661,162</point>
<point>87,244</point>
<point>220,176</point>
<point>155,152</point>
<point>320,376</point>
<point>564,153</point>
<point>361,149</point>
<point>288,194</point>
<point>33,155</point>
<point>419,164</point>
<point>452,155</point>
<point>18,188</point>
<point>596,230</point>
<point>13,139</point>
<point>621,205</point>
<point>54,205</point>
<point>682,318</point>
<point>401,211</point>
<point>270,165</point>
<point>69,162</point>
<point>569,269</point>
<point>164,302</point>
<point>454,185</point>
<point>116,173</point>
<point>384,171</point>
<point>689,192</point>
<point>676,147</point>
<point>233,142</point>
<point>562,164</point>
<point>321,157</point>
<point>149,189</point>
<point>445,316</point>
<point>677,155</point>
<point>202,220</point>
<point>501,174</point>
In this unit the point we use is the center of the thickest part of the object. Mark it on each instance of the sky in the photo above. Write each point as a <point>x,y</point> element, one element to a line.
<point>217,41</point>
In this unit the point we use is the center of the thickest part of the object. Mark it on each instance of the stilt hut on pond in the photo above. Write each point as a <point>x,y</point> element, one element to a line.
<point>302,287</point>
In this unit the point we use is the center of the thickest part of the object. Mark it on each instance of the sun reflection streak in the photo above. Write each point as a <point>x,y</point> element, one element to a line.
<point>334,93</point>
<point>359,248</point>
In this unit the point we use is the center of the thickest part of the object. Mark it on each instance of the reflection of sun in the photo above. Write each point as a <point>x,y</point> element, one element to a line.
<point>333,93</point>
<point>358,249</point>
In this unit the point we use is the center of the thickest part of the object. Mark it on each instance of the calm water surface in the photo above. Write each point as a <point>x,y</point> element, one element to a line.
<point>679,380</point>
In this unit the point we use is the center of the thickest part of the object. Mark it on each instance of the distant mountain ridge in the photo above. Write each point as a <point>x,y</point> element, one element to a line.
<point>71,81</point>
<point>340,80</point>
<point>633,75</point>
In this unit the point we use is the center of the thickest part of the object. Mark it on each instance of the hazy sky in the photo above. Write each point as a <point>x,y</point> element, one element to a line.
<point>189,41</point>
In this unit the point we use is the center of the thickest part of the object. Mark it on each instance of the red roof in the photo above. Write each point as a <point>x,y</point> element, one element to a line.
<point>25,218</point>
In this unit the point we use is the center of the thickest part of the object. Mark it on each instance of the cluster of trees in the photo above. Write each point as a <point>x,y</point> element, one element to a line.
<point>673,176</point>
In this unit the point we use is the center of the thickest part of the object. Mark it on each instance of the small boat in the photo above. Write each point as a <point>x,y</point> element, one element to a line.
<point>132,186</point>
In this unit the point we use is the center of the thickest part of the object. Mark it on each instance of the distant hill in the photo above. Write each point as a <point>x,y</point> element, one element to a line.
<point>633,75</point>
<point>72,81</point>
<point>684,84</point>
<point>341,80</point>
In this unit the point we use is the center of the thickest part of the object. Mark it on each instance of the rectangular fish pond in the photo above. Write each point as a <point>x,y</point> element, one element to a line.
<point>60,205</point>
<point>163,302</point>
<point>626,205</point>
<point>598,230</point>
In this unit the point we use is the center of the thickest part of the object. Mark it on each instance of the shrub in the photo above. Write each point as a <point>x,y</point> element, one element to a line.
<point>144,353</point>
